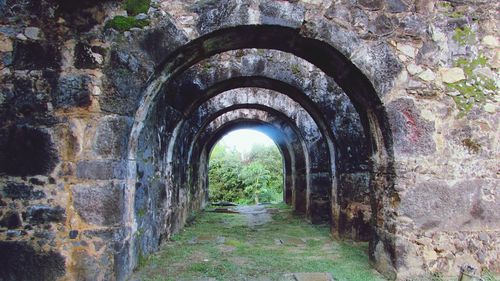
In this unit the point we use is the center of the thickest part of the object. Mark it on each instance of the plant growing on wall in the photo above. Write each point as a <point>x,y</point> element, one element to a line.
<point>133,8</point>
<point>477,89</point>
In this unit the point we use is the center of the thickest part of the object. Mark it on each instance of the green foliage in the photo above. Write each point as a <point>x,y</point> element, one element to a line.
<point>490,276</point>
<point>253,177</point>
<point>469,65</point>
<point>445,5</point>
<point>464,35</point>
<point>122,23</point>
<point>135,7</point>
<point>475,89</point>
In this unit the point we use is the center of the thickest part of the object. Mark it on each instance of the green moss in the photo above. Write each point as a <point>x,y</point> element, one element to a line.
<point>295,69</point>
<point>122,23</point>
<point>469,65</point>
<point>464,35</point>
<point>135,7</point>
<point>456,15</point>
<point>141,213</point>
<point>445,5</point>
<point>490,276</point>
<point>475,89</point>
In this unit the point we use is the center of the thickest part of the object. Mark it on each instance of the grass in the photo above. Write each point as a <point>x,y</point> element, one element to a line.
<point>224,247</point>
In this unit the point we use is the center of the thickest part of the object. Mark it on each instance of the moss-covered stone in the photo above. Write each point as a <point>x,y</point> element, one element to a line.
<point>135,7</point>
<point>122,23</point>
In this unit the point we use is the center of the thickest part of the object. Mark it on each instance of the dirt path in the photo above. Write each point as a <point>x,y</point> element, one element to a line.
<point>256,243</point>
<point>255,214</point>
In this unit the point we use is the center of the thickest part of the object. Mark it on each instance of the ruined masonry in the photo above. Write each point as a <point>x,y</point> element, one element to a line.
<point>386,113</point>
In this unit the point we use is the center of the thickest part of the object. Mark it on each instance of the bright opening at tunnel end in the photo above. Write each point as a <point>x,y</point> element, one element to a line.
<point>246,167</point>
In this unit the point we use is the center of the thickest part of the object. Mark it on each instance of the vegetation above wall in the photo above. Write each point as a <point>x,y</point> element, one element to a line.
<point>245,178</point>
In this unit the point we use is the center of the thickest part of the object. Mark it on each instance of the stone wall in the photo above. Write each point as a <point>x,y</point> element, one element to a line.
<point>387,111</point>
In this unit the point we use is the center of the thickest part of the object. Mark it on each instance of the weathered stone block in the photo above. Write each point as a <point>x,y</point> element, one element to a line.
<point>35,55</point>
<point>371,4</point>
<point>111,137</point>
<point>22,191</point>
<point>214,14</point>
<point>44,214</point>
<point>354,187</point>
<point>87,56</point>
<point>11,220</point>
<point>396,6</point>
<point>27,97</point>
<point>101,169</point>
<point>413,25</point>
<point>281,13</point>
<point>379,64</point>
<point>100,204</point>
<point>437,204</point>
<point>126,76</point>
<point>162,41</point>
<point>82,16</point>
<point>26,151</point>
<point>86,267</point>
<point>73,91</point>
<point>22,262</point>
<point>411,133</point>
<point>382,25</point>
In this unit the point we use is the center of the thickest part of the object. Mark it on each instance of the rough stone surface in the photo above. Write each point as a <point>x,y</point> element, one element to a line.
<point>32,33</point>
<point>449,207</point>
<point>5,44</point>
<point>22,191</point>
<point>101,169</point>
<point>111,137</point>
<point>11,220</point>
<point>73,91</point>
<point>107,205</point>
<point>29,263</point>
<point>413,134</point>
<point>35,55</point>
<point>118,118</point>
<point>43,214</point>
<point>26,151</point>
<point>427,75</point>
<point>87,56</point>
<point>452,75</point>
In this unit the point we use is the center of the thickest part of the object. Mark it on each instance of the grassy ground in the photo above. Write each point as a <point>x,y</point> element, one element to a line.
<point>223,247</point>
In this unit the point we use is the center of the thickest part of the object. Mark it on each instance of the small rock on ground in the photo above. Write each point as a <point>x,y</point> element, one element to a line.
<point>308,276</point>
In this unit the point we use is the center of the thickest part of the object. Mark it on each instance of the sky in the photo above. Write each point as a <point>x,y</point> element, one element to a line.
<point>243,139</point>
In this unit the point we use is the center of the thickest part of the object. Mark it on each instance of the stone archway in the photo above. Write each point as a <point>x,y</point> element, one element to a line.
<point>292,151</point>
<point>352,82</point>
<point>88,117</point>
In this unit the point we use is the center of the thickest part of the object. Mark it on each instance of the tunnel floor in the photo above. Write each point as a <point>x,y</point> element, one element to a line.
<point>256,243</point>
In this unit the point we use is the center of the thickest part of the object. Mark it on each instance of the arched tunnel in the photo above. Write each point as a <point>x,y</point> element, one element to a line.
<point>106,131</point>
<point>323,113</point>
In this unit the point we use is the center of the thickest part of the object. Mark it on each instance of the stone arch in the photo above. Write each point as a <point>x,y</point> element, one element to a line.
<point>286,149</point>
<point>334,64</point>
<point>310,146</point>
<point>296,161</point>
<point>304,83</point>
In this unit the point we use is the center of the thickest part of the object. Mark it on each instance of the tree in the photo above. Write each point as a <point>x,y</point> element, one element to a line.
<point>256,176</point>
